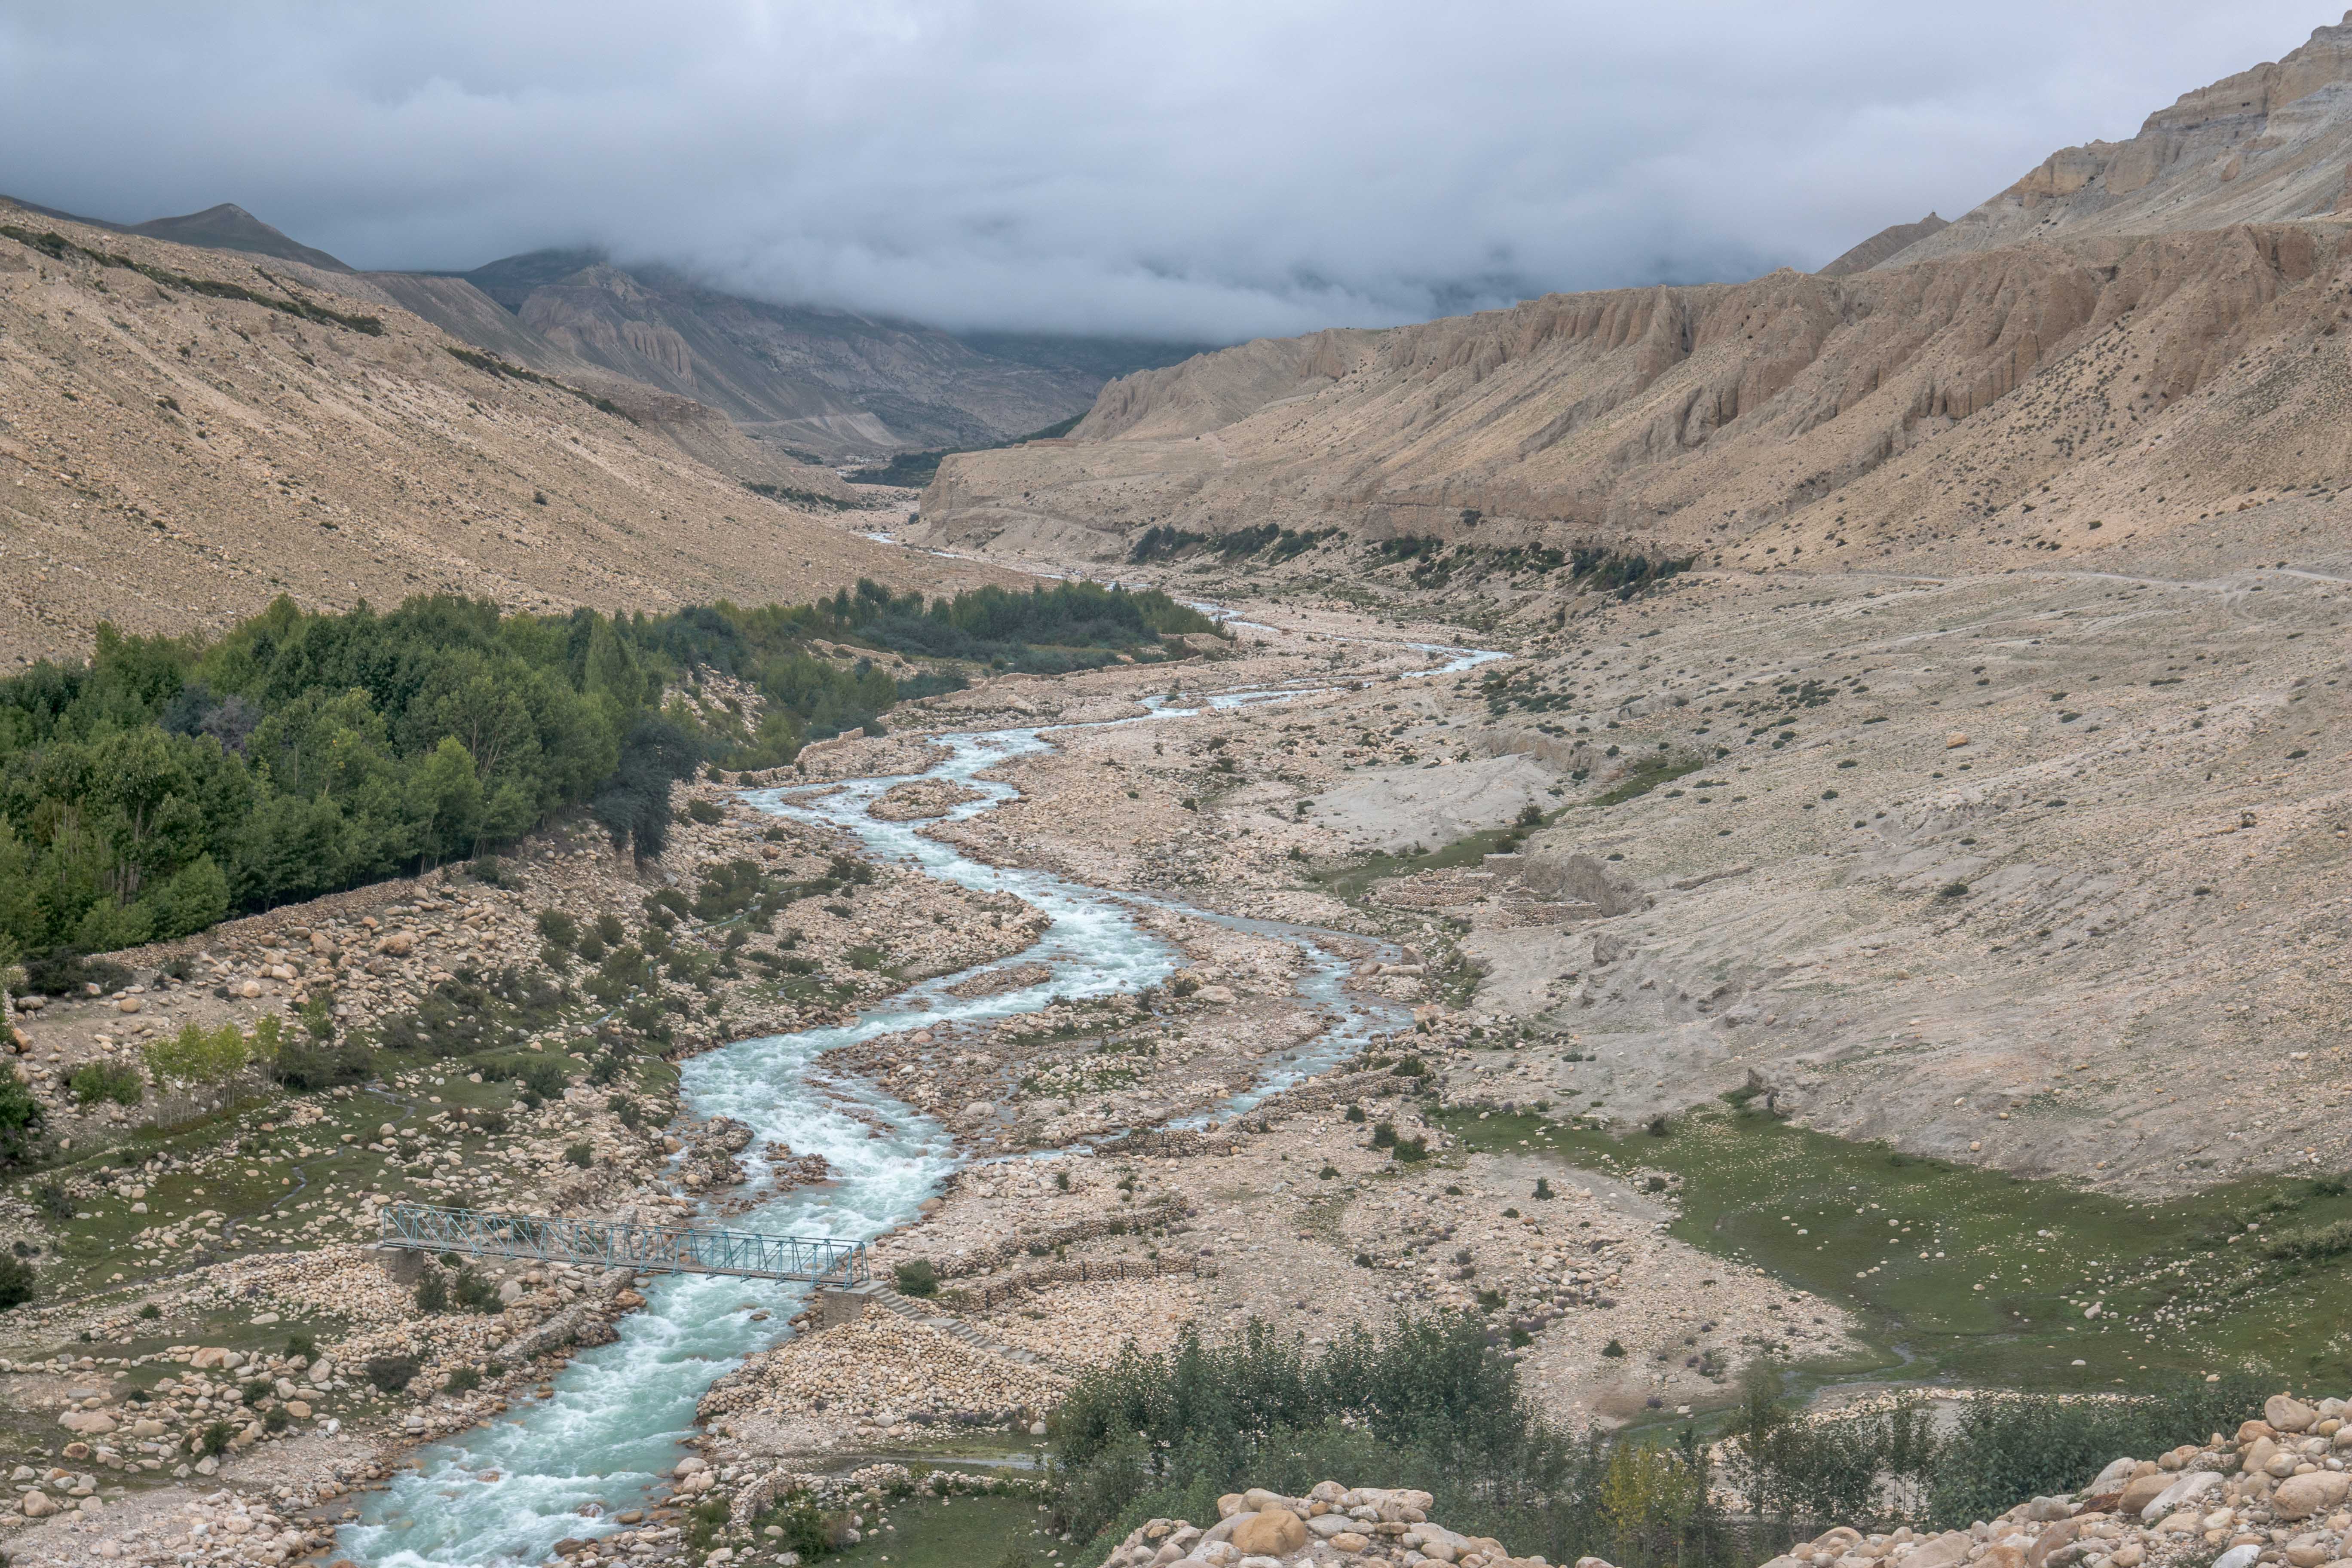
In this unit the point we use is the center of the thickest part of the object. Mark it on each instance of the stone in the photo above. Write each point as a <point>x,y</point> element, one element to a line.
<point>129,1004</point>
<point>89,1422</point>
<point>1273,1531</point>
<point>38,1505</point>
<point>2141,1491</point>
<point>2183,1493</point>
<point>2288,1415</point>
<point>1350,1540</point>
<point>2300,1497</point>
<point>2239,1556</point>
<point>1943,1551</point>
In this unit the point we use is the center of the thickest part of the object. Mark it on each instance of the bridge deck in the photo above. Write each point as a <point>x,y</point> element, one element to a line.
<point>652,1249</point>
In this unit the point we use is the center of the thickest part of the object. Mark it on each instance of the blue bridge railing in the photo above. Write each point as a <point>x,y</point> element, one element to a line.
<point>607,1244</point>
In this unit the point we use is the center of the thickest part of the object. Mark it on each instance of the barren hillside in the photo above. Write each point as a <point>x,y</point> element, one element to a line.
<point>1970,411</point>
<point>2272,144</point>
<point>183,443</point>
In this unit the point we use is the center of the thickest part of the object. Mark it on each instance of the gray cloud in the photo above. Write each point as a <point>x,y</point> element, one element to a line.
<point>1214,168</point>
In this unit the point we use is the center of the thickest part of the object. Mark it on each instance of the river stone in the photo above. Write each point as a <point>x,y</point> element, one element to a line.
<point>38,1505</point>
<point>2239,1556</point>
<point>2184,1490</point>
<point>1943,1551</point>
<point>2288,1415</point>
<point>1272,1533</point>
<point>2299,1497</point>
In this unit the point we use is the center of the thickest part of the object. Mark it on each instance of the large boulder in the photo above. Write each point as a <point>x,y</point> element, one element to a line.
<point>2300,1497</point>
<point>2288,1415</point>
<point>1269,1532</point>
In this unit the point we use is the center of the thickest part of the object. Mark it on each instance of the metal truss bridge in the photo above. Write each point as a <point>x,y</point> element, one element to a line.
<point>653,1248</point>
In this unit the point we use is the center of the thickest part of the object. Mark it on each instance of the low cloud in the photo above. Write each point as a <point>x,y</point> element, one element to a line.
<point>1210,170</point>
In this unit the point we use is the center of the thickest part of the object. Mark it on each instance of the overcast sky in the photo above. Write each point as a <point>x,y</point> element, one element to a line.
<point>1212,169</point>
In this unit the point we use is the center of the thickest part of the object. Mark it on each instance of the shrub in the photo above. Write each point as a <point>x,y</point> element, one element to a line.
<point>391,1373</point>
<point>95,1081</point>
<point>476,1291</point>
<point>21,1122</point>
<point>302,1344</point>
<point>580,1154</point>
<point>17,1282</point>
<point>461,1380</point>
<point>215,1438</point>
<point>1543,1187</point>
<point>541,1080</point>
<point>1613,1350</point>
<point>196,1055</point>
<point>149,1313</point>
<point>704,813</point>
<point>433,1292</point>
<point>54,1202</point>
<point>275,1419</point>
<point>1355,1113</point>
<point>560,929</point>
<point>257,1389</point>
<point>916,1276</point>
<point>1384,1135</point>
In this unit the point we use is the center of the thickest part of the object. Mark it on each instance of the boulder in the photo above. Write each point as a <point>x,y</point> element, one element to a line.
<point>2141,1491</point>
<point>38,1505</point>
<point>208,1357</point>
<point>88,1423</point>
<point>2184,1490</point>
<point>2288,1415</point>
<point>1269,1532</point>
<point>2300,1497</point>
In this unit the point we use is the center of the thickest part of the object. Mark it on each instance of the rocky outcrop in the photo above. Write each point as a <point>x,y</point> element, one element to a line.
<point>2273,144</point>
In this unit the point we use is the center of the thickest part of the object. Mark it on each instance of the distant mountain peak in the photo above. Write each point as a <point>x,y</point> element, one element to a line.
<point>228,227</point>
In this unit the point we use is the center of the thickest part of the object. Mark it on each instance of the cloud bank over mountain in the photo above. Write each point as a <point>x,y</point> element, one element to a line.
<point>1220,169</point>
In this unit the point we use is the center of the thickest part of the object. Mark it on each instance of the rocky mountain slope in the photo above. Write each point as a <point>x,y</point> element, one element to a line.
<point>1963,411</point>
<point>821,380</point>
<point>2273,144</point>
<point>182,443</point>
<point>223,226</point>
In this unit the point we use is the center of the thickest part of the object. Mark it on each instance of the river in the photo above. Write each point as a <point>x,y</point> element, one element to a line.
<point>505,1492</point>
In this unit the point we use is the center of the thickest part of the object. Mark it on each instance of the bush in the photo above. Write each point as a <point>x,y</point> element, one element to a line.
<point>196,1055</point>
<point>275,1419</point>
<point>560,929</point>
<point>580,1154</point>
<point>391,1373</point>
<point>95,1081</point>
<point>214,1440</point>
<point>1543,1187</point>
<point>544,1080</point>
<point>1356,1113</point>
<point>462,1380</point>
<point>302,1344</point>
<point>917,1277</point>
<point>17,1282</point>
<point>476,1291</point>
<point>433,1292</point>
<point>1384,1135</point>
<point>149,1313</point>
<point>806,1529</point>
<point>21,1122</point>
<point>54,1202</point>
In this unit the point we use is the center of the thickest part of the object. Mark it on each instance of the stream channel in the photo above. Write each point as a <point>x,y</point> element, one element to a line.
<point>505,1492</point>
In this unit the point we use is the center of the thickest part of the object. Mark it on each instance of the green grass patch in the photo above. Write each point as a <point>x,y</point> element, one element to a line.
<point>2183,1287</point>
